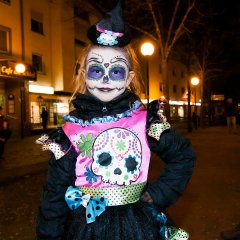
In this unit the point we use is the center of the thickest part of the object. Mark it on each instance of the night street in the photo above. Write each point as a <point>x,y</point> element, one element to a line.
<point>102,74</point>
<point>18,207</point>
<point>209,205</point>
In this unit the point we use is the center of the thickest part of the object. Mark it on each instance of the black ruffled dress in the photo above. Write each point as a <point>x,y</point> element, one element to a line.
<point>132,220</point>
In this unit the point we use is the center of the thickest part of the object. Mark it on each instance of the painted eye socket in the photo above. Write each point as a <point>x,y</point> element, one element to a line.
<point>105,159</point>
<point>117,73</point>
<point>95,72</point>
<point>131,163</point>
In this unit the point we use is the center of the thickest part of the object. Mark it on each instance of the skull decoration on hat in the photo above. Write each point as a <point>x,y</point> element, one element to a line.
<point>111,30</point>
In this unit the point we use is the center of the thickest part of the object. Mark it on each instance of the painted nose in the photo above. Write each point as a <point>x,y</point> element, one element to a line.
<point>117,171</point>
<point>105,79</point>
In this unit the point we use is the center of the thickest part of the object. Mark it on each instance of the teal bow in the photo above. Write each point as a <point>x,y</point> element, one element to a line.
<point>94,205</point>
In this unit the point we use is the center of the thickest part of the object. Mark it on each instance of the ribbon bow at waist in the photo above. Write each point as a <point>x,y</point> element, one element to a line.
<point>94,205</point>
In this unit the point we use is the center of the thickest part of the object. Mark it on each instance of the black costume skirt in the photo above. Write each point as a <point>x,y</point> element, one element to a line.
<point>127,222</point>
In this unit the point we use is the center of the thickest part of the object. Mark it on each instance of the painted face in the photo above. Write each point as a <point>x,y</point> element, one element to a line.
<point>107,74</point>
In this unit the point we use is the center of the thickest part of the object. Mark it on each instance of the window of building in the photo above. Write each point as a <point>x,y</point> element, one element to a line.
<point>183,90</point>
<point>36,26</point>
<point>173,73</point>
<point>37,62</point>
<point>36,22</point>
<point>174,88</point>
<point>5,40</point>
<point>6,1</point>
<point>182,74</point>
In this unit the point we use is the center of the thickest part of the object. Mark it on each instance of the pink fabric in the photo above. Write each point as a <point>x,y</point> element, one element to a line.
<point>122,139</point>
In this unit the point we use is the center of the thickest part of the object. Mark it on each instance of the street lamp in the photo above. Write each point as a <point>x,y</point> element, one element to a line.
<point>20,68</point>
<point>195,82</point>
<point>147,49</point>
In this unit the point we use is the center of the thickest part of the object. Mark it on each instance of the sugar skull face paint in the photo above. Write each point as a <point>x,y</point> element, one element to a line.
<point>107,73</point>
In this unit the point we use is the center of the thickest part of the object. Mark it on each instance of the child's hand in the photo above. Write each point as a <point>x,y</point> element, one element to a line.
<point>146,197</point>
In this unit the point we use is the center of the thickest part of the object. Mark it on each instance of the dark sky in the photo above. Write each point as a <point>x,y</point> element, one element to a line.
<point>230,24</point>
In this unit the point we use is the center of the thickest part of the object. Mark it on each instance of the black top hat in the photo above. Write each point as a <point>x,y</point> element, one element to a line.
<point>111,30</point>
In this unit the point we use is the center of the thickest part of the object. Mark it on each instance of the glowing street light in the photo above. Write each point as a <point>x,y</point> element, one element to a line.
<point>195,82</point>
<point>20,68</point>
<point>147,49</point>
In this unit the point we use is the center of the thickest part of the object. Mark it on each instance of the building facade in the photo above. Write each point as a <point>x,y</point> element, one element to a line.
<point>178,78</point>
<point>47,36</point>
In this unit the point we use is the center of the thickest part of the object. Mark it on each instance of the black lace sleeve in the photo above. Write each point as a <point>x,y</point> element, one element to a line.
<point>53,210</point>
<point>179,157</point>
<point>156,122</point>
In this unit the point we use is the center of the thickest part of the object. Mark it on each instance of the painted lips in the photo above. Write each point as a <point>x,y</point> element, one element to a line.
<point>105,89</point>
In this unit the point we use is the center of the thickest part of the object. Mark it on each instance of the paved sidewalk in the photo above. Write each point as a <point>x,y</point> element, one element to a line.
<point>211,202</point>
<point>22,157</point>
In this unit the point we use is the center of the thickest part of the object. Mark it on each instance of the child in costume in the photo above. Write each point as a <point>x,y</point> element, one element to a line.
<point>96,186</point>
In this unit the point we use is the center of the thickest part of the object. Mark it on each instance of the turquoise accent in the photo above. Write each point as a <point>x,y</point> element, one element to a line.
<point>94,205</point>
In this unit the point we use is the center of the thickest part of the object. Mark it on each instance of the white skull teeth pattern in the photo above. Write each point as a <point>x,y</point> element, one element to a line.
<point>117,156</point>
<point>105,89</point>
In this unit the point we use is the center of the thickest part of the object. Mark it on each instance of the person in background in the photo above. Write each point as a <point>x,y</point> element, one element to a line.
<point>96,186</point>
<point>5,133</point>
<point>231,111</point>
<point>44,116</point>
<point>238,116</point>
<point>195,119</point>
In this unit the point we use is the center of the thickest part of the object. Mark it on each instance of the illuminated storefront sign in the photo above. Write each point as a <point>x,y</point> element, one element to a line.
<point>8,69</point>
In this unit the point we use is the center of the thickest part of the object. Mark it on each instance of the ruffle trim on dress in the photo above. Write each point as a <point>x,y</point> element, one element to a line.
<point>113,118</point>
<point>168,232</point>
<point>50,144</point>
<point>158,122</point>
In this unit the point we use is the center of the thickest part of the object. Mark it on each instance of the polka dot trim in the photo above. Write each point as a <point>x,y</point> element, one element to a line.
<point>177,234</point>
<point>117,196</point>
<point>48,144</point>
<point>156,129</point>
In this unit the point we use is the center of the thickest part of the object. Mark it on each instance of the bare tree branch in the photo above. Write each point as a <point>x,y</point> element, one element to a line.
<point>179,29</point>
<point>159,35</point>
<point>144,32</point>
<point>172,22</point>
